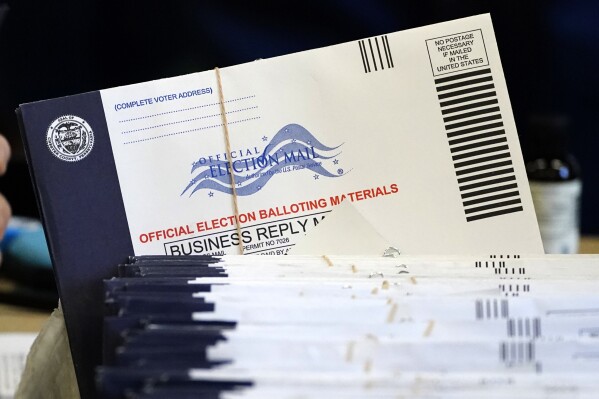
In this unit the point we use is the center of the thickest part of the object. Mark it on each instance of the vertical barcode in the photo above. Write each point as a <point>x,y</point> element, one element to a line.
<point>517,352</point>
<point>500,268</point>
<point>491,309</point>
<point>478,309</point>
<point>376,54</point>
<point>478,144</point>
<point>524,328</point>
<point>514,289</point>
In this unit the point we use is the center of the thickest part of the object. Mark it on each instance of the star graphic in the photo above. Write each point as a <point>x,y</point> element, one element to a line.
<point>193,181</point>
<point>293,141</point>
<point>238,184</point>
<point>264,138</point>
<point>206,176</point>
<point>316,177</point>
<point>335,161</point>
<point>211,194</point>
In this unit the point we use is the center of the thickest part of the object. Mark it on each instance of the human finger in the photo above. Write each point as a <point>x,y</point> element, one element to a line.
<point>4,154</point>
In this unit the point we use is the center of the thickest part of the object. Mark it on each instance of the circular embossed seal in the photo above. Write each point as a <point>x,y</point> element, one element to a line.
<point>70,138</point>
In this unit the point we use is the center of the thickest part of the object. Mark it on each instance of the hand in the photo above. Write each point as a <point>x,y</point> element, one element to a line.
<point>5,210</point>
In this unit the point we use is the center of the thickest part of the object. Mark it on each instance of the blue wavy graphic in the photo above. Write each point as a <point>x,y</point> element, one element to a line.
<point>293,147</point>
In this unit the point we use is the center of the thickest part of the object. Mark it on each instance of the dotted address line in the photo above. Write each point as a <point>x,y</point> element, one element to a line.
<point>187,120</point>
<point>190,130</point>
<point>186,109</point>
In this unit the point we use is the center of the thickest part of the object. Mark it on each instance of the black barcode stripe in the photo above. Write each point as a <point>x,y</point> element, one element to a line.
<point>479,152</point>
<point>386,41</point>
<point>495,157</point>
<point>477,137</point>
<point>493,214</point>
<point>471,114</point>
<point>478,309</point>
<point>478,144</point>
<point>487,183</point>
<point>504,309</point>
<point>464,83</point>
<point>531,351</point>
<point>466,91</point>
<point>497,309</point>
<point>485,175</point>
<point>469,98</point>
<point>372,53</point>
<point>473,121</point>
<point>493,206</point>
<point>462,76</point>
<point>536,327</point>
<point>518,353</point>
<point>484,167</point>
<point>365,55</point>
<point>386,52</point>
<point>366,69</point>
<point>491,198</point>
<point>510,327</point>
<point>489,190</point>
<point>469,106</point>
<point>474,129</point>
<point>378,50</point>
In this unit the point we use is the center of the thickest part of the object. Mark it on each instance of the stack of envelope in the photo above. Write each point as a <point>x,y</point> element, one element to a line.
<point>351,327</point>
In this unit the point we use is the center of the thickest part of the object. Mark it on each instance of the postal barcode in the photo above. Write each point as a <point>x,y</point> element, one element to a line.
<point>524,327</point>
<point>478,144</point>
<point>491,309</point>
<point>376,54</point>
<point>514,289</point>
<point>517,352</point>
<point>500,267</point>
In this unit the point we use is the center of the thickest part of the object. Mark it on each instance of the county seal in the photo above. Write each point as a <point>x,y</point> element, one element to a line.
<point>70,138</point>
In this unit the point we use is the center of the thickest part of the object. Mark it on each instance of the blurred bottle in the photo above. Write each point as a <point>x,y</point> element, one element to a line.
<point>555,183</point>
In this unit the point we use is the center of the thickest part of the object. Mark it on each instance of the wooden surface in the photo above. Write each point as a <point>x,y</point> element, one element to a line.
<point>589,245</point>
<point>21,319</point>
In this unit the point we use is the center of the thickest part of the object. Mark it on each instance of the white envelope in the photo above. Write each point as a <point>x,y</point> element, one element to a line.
<point>414,128</point>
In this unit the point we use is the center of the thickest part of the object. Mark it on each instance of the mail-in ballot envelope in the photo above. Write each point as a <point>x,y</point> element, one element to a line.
<point>413,128</point>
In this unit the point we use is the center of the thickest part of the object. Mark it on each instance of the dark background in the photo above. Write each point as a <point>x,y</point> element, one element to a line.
<point>549,51</point>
